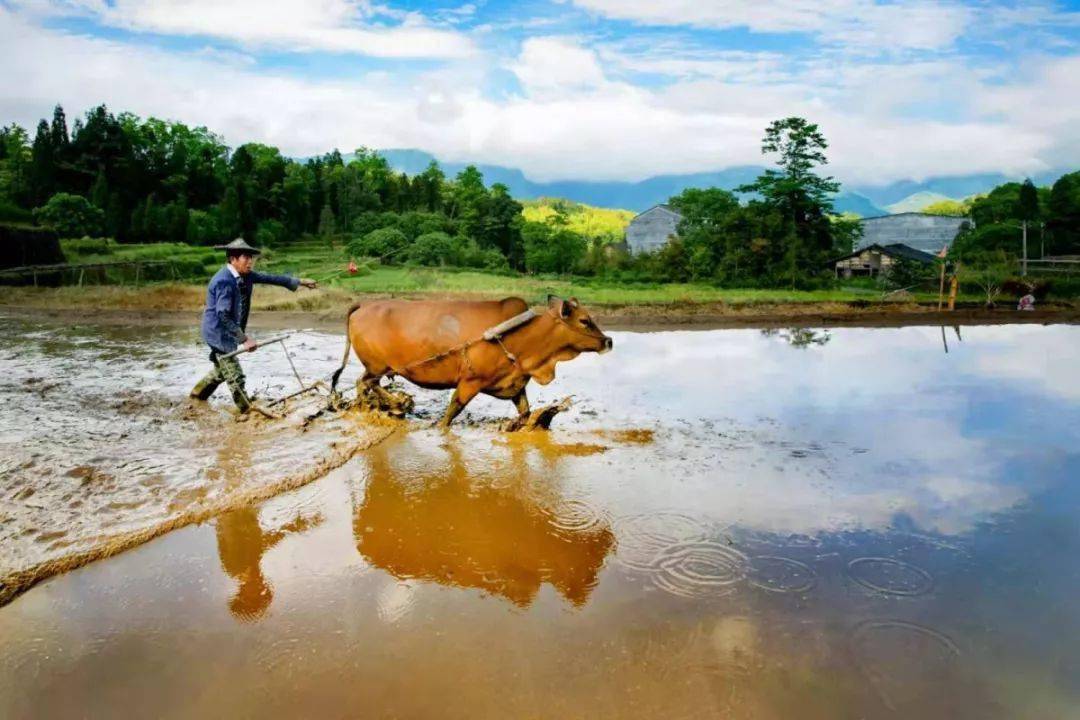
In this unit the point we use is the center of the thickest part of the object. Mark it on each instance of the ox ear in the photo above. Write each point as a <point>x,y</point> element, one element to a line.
<point>559,305</point>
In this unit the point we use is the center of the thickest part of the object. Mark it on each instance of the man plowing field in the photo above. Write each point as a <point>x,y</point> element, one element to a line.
<point>224,322</point>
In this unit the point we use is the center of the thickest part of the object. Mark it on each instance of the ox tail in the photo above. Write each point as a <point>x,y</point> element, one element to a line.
<point>348,348</point>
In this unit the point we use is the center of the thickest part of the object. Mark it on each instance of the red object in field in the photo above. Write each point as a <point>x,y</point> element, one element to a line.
<point>352,267</point>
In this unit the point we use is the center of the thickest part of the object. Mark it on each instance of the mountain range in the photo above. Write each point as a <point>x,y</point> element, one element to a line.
<point>864,200</point>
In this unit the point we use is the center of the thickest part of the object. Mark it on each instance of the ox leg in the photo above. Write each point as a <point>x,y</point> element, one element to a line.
<point>521,402</point>
<point>461,397</point>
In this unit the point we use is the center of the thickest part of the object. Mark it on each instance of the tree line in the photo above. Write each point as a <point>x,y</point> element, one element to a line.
<point>152,180</point>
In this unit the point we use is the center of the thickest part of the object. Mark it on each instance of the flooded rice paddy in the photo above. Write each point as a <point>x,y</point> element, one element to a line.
<point>739,524</point>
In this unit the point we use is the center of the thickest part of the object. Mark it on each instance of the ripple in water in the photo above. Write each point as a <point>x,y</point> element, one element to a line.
<point>781,575</point>
<point>575,516</point>
<point>889,576</point>
<point>904,660</point>
<point>641,538</point>
<point>699,569</point>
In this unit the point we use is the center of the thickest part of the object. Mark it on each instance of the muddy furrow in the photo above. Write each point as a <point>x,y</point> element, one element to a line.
<point>15,583</point>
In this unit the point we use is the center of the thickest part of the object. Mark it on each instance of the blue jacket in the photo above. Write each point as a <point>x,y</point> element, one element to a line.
<point>228,300</point>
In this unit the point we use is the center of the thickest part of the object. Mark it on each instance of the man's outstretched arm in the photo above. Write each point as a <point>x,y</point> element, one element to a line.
<point>287,281</point>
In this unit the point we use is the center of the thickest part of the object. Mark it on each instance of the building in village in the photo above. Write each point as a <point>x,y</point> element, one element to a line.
<point>887,239</point>
<point>878,259</point>
<point>651,230</point>
<point>928,233</point>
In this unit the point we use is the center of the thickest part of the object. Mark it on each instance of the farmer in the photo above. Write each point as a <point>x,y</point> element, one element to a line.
<point>224,322</point>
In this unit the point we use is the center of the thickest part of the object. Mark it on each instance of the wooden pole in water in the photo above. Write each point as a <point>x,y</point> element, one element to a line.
<point>954,286</point>
<point>1023,269</point>
<point>941,290</point>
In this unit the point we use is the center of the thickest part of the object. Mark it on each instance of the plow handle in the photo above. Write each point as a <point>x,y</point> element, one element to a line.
<point>241,351</point>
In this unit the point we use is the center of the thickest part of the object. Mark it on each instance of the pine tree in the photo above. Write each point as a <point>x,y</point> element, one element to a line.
<point>42,166</point>
<point>327,224</point>
<point>59,131</point>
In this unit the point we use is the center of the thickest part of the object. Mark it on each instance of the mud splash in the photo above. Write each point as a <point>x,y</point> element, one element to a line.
<point>103,450</point>
<point>198,511</point>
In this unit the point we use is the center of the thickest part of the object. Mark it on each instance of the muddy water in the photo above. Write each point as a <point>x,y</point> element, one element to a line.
<point>727,524</point>
<point>99,445</point>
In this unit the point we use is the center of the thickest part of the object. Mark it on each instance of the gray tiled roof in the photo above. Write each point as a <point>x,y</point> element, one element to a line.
<point>928,233</point>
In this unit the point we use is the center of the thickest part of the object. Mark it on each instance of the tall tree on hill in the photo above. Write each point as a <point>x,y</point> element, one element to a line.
<point>1028,209</point>
<point>1063,214</point>
<point>797,192</point>
<point>469,202</point>
<point>502,226</point>
<point>431,182</point>
<point>796,188</point>
<point>15,158</point>
<point>42,166</point>
<point>58,129</point>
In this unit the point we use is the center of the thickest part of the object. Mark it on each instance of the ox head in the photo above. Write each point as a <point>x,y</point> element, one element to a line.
<point>579,330</point>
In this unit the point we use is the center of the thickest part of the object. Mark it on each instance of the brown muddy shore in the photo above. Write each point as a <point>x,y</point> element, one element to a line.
<point>324,310</point>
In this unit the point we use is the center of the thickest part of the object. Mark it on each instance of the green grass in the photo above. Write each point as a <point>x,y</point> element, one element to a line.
<point>534,288</point>
<point>315,259</point>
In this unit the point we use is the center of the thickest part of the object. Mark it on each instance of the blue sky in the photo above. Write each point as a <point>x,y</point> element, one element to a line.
<point>582,89</point>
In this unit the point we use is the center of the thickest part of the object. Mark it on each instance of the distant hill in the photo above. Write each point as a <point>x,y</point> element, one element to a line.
<point>917,201</point>
<point>585,219</point>
<point>865,200</point>
<point>956,186</point>
<point>852,202</point>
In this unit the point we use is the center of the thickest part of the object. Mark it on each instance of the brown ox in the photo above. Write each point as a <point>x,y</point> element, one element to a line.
<point>412,339</point>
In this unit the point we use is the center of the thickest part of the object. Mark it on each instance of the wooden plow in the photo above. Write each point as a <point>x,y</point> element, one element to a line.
<point>305,388</point>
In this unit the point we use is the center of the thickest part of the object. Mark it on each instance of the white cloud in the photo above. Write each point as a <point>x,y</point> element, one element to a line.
<point>676,59</point>
<point>914,24</point>
<point>577,116</point>
<point>335,25</point>
<point>551,66</point>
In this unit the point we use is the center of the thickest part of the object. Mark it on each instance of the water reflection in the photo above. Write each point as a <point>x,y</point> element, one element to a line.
<point>799,337</point>
<point>241,540</point>
<point>495,524</point>
<point>242,543</point>
<point>868,529</point>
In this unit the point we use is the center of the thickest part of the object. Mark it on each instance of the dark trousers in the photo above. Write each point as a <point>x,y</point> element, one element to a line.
<point>226,370</point>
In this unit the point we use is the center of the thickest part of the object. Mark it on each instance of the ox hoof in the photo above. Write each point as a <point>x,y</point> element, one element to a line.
<point>394,403</point>
<point>538,419</point>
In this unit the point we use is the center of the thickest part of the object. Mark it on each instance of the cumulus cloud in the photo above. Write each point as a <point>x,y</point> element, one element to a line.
<point>915,24</point>
<point>577,113</point>
<point>554,65</point>
<point>335,25</point>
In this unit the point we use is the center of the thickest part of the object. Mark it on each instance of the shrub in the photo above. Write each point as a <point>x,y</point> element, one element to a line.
<point>20,245</point>
<point>436,248</point>
<point>11,212</point>
<point>379,243</point>
<point>203,228</point>
<point>271,233</point>
<point>89,246</point>
<point>417,224</point>
<point>70,215</point>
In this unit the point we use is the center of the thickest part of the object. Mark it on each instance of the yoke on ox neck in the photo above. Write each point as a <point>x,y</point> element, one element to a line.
<point>506,326</point>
